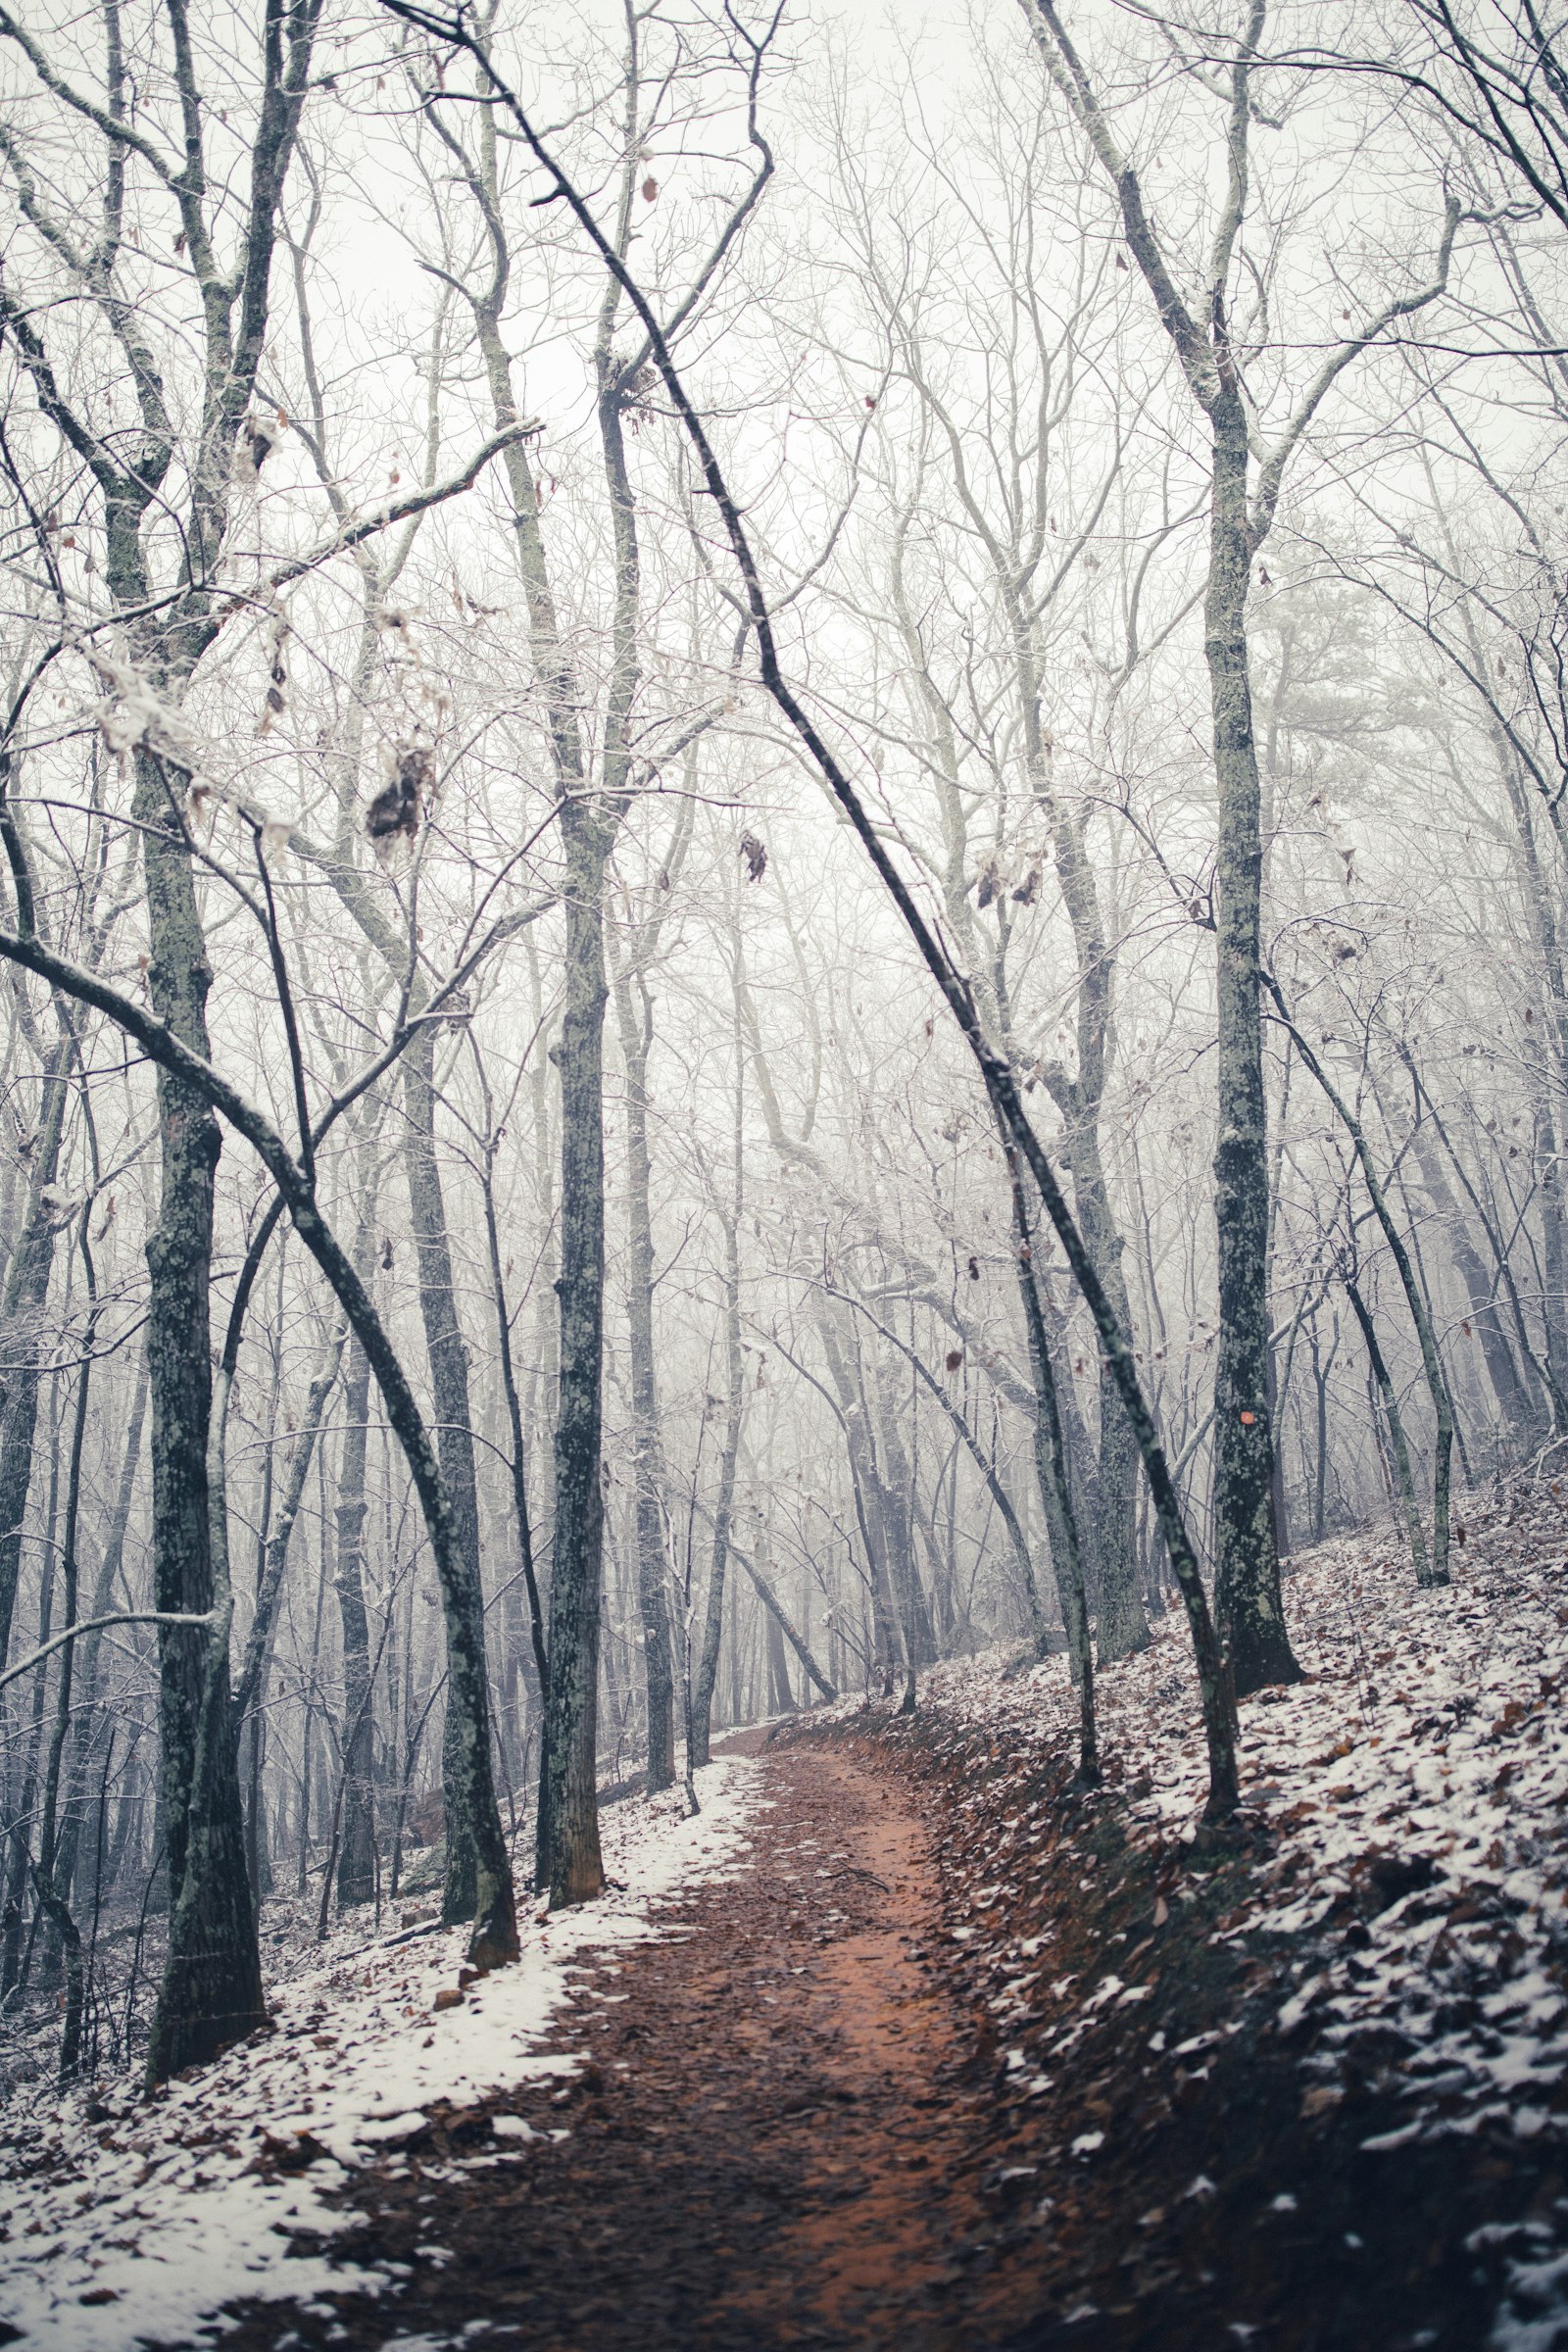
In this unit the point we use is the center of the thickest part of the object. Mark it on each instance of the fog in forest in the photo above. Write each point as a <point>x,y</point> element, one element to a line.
<point>783,1064</point>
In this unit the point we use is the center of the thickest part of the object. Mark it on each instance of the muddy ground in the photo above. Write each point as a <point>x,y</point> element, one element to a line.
<point>797,2125</point>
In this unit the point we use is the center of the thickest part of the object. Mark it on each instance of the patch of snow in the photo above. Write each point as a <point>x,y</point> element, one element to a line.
<point>112,2229</point>
<point>1411,1798</point>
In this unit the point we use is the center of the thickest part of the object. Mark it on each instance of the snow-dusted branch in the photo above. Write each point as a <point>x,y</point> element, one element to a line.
<point>96,1625</point>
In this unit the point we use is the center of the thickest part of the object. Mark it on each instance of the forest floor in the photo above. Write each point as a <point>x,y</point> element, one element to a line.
<point>773,2129</point>
<point>932,2051</point>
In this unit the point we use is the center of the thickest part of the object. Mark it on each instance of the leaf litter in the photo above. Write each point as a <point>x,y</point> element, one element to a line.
<point>125,2220</point>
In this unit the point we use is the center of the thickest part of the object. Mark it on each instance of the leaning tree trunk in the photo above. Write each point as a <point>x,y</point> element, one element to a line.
<point>1029,1583</point>
<point>783,1624</point>
<point>1250,1605</point>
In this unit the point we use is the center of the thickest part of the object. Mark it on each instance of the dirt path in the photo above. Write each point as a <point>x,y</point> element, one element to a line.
<point>776,2142</point>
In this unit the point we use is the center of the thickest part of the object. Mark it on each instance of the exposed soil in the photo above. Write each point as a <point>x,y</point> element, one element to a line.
<point>779,2138</point>
<point>1188,2186</point>
<point>808,2117</point>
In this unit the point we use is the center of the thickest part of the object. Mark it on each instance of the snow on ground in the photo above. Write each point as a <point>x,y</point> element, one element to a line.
<point>1416,1885</point>
<point>1424,1764</point>
<point>138,2225</point>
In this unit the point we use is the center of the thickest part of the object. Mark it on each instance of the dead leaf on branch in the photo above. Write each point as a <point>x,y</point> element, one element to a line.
<point>399,804</point>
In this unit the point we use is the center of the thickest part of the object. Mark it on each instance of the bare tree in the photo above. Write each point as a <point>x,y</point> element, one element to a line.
<point>1245,493</point>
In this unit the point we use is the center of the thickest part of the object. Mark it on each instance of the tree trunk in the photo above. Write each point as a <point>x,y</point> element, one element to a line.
<point>898,1487</point>
<point>1123,1628</point>
<point>1250,1605</point>
<point>780,1697</point>
<point>1040,1630</point>
<point>20,1822</point>
<point>1396,1438</point>
<point>89,1649</point>
<point>211,1992</point>
<point>22,1316</point>
<point>1519,1418</point>
<point>648,1465</point>
<point>779,1617</point>
<point>1426,1333</point>
<point>1553,1246</point>
<point>1055,1494</point>
<point>44,1874</point>
<point>356,1852</point>
<point>868,1500</point>
<point>454,1436</point>
<point>569,1791</point>
<point>725,1500</point>
<point>1321,1368</point>
<point>251,1687</point>
<point>521,1512</point>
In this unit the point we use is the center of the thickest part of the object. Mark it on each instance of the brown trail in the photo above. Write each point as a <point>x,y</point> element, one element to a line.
<point>778,2137</point>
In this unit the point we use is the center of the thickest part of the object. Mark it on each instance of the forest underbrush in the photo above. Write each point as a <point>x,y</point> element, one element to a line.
<point>1300,2081</point>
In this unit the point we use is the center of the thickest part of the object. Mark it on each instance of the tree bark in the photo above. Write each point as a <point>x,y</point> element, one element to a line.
<point>1426,1334</point>
<point>210,1993</point>
<point>449,1391</point>
<point>212,1990</point>
<point>569,1789</point>
<point>1519,1418</point>
<point>1249,1604</point>
<point>494,1939</point>
<point>648,1463</point>
<point>1038,1626</point>
<point>898,1517</point>
<point>1396,1438</point>
<point>89,1649</point>
<point>1123,1628</point>
<point>730,1457</point>
<point>22,1314</point>
<point>522,1511</point>
<point>1055,1494</point>
<point>356,1852</point>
